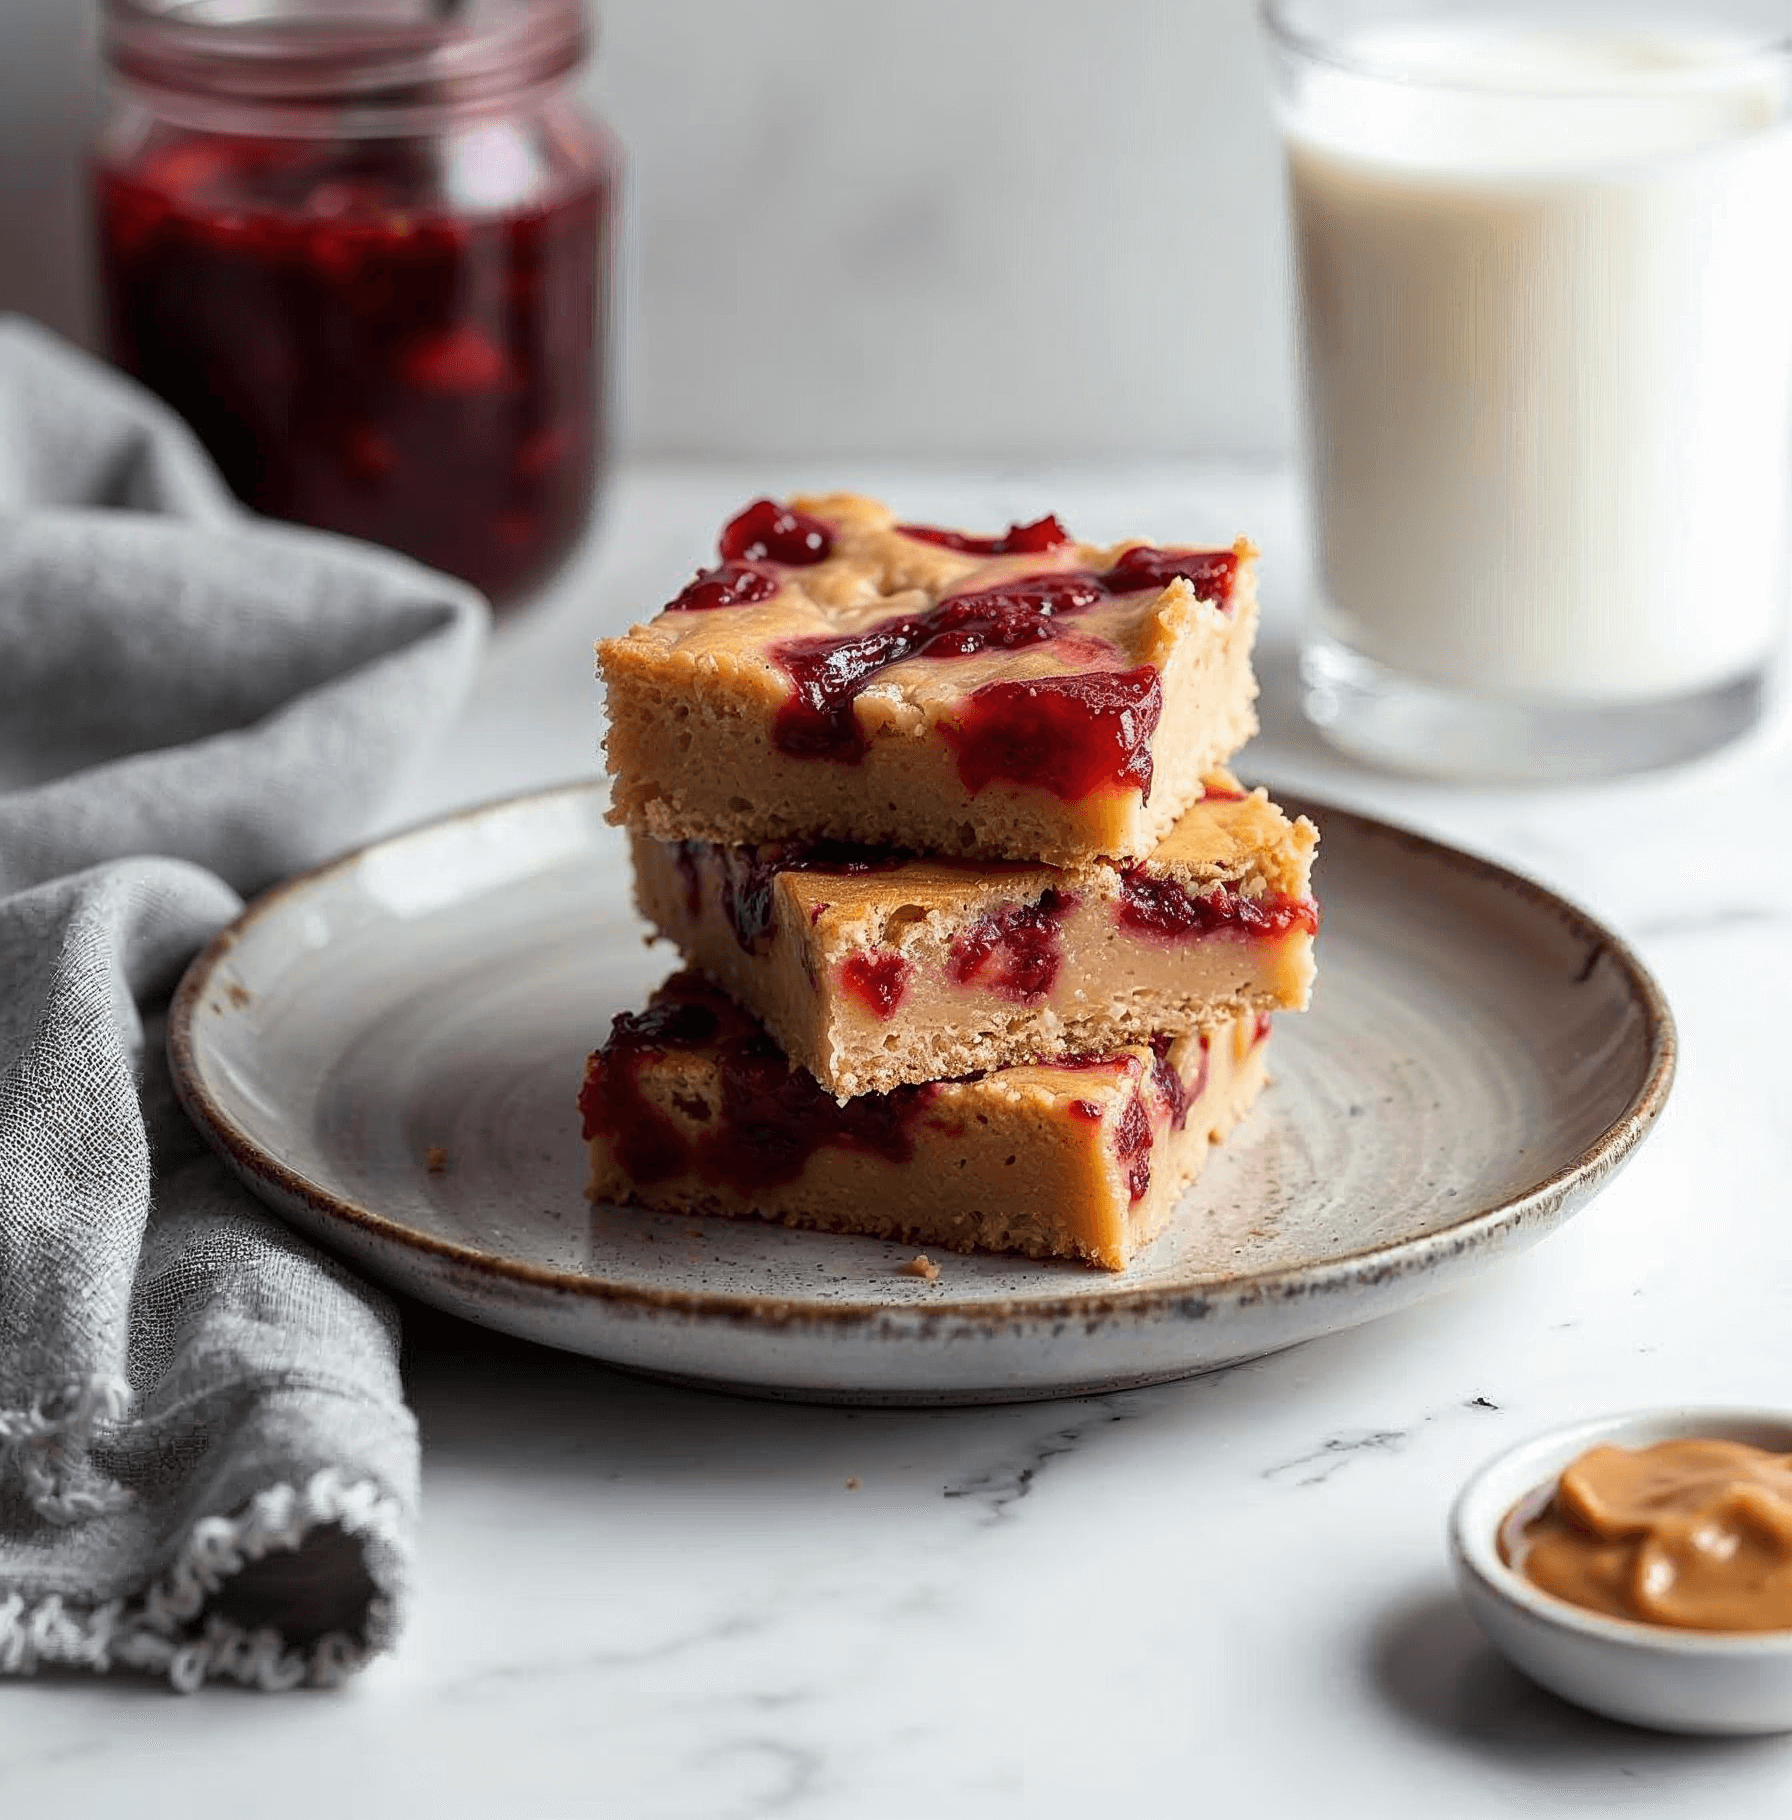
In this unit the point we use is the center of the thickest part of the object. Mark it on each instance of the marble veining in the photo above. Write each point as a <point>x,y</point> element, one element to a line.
<point>479,1683</point>
<point>1336,1452</point>
<point>998,1489</point>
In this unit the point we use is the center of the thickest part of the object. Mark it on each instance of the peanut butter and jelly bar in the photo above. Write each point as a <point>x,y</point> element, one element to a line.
<point>875,969</point>
<point>691,1105</point>
<point>1024,696</point>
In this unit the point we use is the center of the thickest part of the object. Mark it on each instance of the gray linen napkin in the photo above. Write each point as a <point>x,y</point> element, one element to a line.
<point>206,1464</point>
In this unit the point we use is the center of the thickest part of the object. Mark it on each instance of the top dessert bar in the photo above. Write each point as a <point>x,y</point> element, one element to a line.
<point>840,675</point>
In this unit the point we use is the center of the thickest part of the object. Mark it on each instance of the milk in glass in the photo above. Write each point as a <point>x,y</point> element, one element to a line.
<point>1546,289</point>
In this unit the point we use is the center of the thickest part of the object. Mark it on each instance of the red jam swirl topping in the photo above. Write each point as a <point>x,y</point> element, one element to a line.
<point>1106,720</point>
<point>747,874</point>
<point>730,584</point>
<point>828,674</point>
<point>1003,618</point>
<point>1071,735</point>
<point>1168,907</point>
<point>1210,573</point>
<point>817,720</point>
<point>764,533</point>
<point>1018,540</point>
<point>772,1117</point>
<point>768,532</point>
<point>877,977</point>
<point>1015,950</point>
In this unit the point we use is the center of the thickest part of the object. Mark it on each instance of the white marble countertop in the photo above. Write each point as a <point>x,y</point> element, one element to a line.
<point>1228,1595</point>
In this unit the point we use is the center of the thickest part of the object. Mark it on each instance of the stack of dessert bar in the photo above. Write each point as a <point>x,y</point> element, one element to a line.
<point>980,937</point>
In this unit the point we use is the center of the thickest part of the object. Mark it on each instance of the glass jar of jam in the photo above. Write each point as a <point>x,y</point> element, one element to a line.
<point>364,248</point>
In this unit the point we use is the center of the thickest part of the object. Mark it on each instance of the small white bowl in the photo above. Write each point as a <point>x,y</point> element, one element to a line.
<point>1735,1682</point>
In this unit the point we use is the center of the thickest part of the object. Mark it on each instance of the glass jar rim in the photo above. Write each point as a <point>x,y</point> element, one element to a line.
<point>334,67</point>
<point>1335,51</point>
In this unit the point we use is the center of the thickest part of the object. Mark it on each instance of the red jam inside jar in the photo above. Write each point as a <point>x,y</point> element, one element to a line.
<point>382,317</point>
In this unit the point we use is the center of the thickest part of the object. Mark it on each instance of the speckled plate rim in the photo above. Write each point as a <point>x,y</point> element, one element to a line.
<point>1539,1206</point>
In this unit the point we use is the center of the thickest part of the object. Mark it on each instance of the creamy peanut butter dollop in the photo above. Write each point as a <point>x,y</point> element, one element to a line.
<point>1693,1533</point>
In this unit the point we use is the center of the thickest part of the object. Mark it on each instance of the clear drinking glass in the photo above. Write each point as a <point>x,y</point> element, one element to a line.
<point>1544,262</point>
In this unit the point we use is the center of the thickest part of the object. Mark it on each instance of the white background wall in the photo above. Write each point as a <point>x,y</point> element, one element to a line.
<point>987,228</point>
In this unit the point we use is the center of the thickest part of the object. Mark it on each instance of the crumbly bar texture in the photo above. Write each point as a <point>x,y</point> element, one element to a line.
<point>1054,703</point>
<point>874,970</point>
<point>691,1106</point>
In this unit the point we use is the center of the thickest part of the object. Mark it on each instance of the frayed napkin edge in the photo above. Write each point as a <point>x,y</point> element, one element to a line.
<point>166,1630</point>
<point>49,1442</point>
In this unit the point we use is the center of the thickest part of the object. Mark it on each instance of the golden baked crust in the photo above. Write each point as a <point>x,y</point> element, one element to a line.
<point>1084,1160</point>
<point>694,697</point>
<point>925,969</point>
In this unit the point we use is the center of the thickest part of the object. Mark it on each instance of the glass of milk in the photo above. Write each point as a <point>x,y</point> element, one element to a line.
<point>1544,264</point>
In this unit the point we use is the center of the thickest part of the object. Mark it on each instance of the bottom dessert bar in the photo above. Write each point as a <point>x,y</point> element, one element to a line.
<point>690,1105</point>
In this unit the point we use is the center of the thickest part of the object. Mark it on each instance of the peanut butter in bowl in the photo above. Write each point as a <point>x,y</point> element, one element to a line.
<point>1692,1532</point>
<point>1640,1565</point>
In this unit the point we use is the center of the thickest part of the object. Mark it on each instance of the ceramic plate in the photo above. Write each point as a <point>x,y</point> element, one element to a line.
<point>1479,1059</point>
